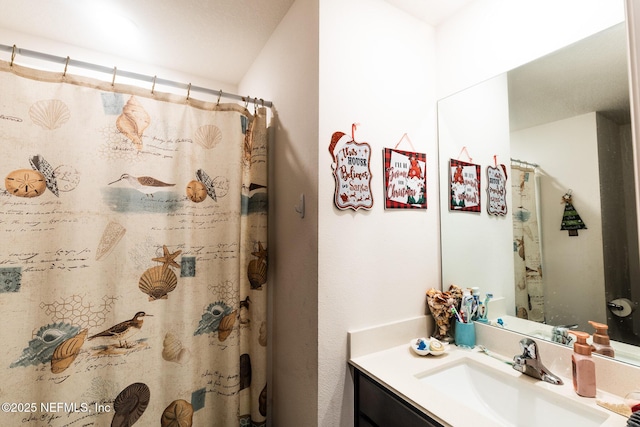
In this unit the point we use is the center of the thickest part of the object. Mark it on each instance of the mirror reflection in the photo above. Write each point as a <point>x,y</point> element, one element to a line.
<point>566,253</point>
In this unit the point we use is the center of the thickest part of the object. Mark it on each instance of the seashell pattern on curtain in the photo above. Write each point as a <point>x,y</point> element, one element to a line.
<point>133,264</point>
<point>527,256</point>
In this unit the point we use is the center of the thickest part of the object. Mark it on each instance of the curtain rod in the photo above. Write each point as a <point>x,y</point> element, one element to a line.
<point>128,74</point>
<point>533,165</point>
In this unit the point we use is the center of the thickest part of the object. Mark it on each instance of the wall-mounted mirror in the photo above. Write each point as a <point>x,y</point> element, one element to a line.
<point>560,125</point>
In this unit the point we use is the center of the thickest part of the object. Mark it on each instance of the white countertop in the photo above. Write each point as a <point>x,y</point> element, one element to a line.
<point>398,368</point>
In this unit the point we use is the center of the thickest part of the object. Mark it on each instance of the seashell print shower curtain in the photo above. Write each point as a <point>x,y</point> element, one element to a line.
<point>134,256</point>
<point>527,257</point>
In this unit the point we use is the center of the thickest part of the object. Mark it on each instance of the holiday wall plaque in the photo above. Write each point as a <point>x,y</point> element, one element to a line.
<point>405,179</point>
<point>497,190</point>
<point>464,186</point>
<point>352,172</point>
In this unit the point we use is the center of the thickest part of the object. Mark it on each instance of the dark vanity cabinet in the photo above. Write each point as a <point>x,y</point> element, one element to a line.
<point>376,406</point>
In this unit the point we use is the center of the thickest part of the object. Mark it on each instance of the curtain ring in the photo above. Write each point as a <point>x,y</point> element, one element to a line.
<point>153,85</point>
<point>66,65</point>
<point>219,96</point>
<point>13,55</point>
<point>113,80</point>
<point>188,91</point>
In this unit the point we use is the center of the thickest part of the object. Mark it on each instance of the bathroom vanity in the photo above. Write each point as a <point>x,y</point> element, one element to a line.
<point>377,406</point>
<point>395,386</point>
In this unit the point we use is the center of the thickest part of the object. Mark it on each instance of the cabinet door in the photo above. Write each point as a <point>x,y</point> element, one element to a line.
<point>375,406</point>
<point>362,421</point>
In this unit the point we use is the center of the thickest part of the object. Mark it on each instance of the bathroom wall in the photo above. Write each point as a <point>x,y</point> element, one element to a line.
<point>475,123</point>
<point>567,152</point>
<point>377,68</point>
<point>286,72</point>
<point>619,216</point>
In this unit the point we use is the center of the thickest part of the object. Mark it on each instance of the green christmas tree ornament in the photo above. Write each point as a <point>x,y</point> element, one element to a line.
<point>571,220</point>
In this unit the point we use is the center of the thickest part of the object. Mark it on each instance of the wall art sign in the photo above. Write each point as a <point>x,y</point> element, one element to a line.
<point>464,186</point>
<point>352,172</point>
<point>571,220</point>
<point>497,190</point>
<point>405,179</point>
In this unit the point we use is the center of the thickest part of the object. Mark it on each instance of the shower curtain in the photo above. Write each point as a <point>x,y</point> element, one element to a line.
<point>527,259</point>
<point>134,256</point>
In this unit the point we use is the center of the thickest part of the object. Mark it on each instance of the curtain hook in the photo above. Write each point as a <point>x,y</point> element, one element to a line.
<point>219,96</point>
<point>113,80</point>
<point>255,106</point>
<point>153,85</point>
<point>246,102</point>
<point>13,55</point>
<point>262,102</point>
<point>66,65</point>
<point>188,91</point>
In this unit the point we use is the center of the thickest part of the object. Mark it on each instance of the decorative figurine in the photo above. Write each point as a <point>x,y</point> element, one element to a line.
<point>440,304</point>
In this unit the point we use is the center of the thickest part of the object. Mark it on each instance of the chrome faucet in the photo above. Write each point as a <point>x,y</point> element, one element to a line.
<point>560,334</point>
<point>529,363</point>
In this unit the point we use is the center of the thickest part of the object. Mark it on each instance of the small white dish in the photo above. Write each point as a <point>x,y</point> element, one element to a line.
<point>426,346</point>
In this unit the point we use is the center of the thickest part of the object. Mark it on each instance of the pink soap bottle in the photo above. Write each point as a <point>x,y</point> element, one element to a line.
<point>601,343</point>
<point>584,368</point>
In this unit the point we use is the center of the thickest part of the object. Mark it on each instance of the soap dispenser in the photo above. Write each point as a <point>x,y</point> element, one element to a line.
<point>601,344</point>
<point>583,366</point>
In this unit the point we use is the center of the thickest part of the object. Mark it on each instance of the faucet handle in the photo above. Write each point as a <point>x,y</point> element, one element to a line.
<point>529,348</point>
<point>561,334</point>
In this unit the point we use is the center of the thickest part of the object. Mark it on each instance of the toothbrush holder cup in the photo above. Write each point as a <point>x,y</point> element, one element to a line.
<point>465,334</point>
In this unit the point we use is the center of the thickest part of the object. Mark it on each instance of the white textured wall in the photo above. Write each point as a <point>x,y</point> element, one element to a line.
<point>476,244</point>
<point>286,72</point>
<point>567,152</point>
<point>377,69</point>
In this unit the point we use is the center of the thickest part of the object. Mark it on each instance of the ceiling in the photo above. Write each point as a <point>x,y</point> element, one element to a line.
<point>213,39</point>
<point>589,75</point>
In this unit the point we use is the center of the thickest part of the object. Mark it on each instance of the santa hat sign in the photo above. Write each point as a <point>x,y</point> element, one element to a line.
<point>352,171</point>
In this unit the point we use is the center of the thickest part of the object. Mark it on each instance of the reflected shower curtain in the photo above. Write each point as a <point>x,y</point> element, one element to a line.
<point>527,259</point>
<point>134,256</point>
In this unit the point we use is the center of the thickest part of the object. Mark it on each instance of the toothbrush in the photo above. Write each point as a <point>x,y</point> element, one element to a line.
<point>481,310</point>
<point>488,353</point>
<point>486,305</point>
<point>454,311</point>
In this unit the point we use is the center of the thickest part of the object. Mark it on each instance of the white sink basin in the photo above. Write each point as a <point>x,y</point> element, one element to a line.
<point>507,399</point>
